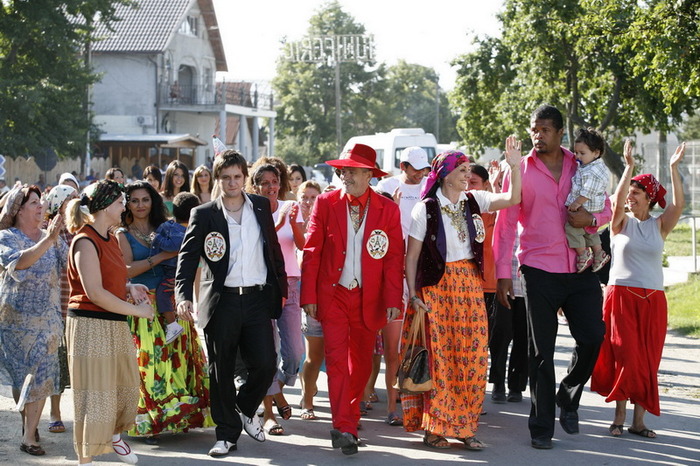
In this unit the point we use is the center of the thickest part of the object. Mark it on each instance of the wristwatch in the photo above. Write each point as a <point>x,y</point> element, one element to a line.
<point>594,223</point>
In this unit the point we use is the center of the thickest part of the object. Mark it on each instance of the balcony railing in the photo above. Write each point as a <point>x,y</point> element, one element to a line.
<point>235,93</point>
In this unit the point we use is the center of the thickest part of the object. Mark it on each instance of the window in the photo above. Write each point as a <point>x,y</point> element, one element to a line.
<point>189,26</point>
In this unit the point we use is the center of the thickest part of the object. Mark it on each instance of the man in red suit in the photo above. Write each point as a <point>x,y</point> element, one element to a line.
<point>351,281</point>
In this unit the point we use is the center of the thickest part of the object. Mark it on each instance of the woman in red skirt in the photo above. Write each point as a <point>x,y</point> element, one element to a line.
<point>635,309</point>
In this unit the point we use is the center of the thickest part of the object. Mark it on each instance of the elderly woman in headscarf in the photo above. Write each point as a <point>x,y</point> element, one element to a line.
<point>635,308</point>
<point>56,202</point>
<point>101,353</point>
<point>30,315</point>
<point>444,268</point>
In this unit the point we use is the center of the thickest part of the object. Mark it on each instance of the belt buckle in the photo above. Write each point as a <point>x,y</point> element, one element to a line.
<point>353,284</point>
<point>241,290</point>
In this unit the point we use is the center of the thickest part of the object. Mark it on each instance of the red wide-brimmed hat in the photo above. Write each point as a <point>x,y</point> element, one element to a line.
<point>360,156</point>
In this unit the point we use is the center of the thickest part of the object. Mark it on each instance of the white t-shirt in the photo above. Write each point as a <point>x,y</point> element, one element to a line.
<point>456,250</point>
<point>285,236</point>
<point>410,196</point>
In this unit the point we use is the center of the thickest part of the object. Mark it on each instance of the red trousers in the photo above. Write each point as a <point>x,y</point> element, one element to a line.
<point>349,347</point>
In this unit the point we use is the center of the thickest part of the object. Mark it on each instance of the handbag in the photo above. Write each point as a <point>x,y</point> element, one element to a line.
<point>414,371</point>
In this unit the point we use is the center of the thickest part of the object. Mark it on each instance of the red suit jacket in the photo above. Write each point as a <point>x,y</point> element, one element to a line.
<point>324,256</point>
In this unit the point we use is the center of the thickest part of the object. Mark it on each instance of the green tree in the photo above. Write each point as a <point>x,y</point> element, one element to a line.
<point>43,75</point>
<point>411,97</point>
<point>306,92</point>
<point>375,97</point>
<point>579,55</point>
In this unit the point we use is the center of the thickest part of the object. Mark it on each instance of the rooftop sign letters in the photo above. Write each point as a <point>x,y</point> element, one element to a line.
<point>332,49</point>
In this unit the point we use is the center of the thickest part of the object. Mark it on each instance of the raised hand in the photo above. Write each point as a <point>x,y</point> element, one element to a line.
<point>678,155</point>
<point>627,153</point>
<point>55,226</point>
<point>513,151</point>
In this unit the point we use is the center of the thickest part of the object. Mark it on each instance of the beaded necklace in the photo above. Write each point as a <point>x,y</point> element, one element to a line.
<point>456,214</point>
<point>146,238</point>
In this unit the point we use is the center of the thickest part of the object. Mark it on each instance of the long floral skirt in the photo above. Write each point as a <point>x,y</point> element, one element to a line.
<point>457,330</point>
<point>174,393</point>
<point>105,381</point>
<point>635,332</point>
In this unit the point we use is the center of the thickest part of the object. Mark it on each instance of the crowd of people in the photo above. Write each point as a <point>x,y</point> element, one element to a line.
<point>281,275</point>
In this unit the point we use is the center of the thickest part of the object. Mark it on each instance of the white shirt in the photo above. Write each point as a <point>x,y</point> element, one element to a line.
<point>410,196</point>
<point>246,263</point>
<point>456,250</point>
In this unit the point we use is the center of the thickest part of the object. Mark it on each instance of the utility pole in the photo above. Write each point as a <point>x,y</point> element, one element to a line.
<point>437,109</point>
<point>332,50</point>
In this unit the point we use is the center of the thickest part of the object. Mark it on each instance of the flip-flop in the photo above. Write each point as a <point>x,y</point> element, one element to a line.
<point>616,427</point>
<point>433,441</point>
<point>394,419</point>
<point>57,427</point>
<point>308,415</point>
<point>646,433</point>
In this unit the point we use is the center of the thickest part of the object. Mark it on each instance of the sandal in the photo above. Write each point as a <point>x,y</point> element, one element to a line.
<point>273,428</point>
<point>393,419</point>
<point>584,261</point>
<point>57,427</point>
<point>308,415</point>
<point>34,450</point>
<point>616,429</point>
<point>646,433</point>
<point>599,260</point>
<point>285,412</point>
<point>363,408</point>
<point>437,442</point>
<point>472,443</point>
<point>373,397</point>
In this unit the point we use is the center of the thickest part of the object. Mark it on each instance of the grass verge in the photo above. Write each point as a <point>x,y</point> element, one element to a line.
<point>679,241</point>
<point>684,307</point>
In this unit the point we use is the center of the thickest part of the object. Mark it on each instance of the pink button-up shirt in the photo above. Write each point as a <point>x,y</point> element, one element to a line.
<point>541,216</point>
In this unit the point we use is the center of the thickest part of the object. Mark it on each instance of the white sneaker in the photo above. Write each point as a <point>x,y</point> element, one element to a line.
<point>172,331</point>
<point>222,448</point>
<point>253,427</point>
<point>123,451</point>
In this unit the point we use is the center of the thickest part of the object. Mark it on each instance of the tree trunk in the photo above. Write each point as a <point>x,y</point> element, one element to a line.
<point>614,161</point>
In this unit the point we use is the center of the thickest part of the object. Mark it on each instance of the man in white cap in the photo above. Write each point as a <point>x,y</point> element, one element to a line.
<point>406,186</point>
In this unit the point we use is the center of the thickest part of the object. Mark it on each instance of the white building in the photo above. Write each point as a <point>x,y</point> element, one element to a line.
<point>157,99</point>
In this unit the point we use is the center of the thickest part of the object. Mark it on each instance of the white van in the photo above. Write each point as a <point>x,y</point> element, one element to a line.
<point>389,146</point>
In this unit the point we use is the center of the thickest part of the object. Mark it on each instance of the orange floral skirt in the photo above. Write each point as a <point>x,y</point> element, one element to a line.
<point>457,330</point>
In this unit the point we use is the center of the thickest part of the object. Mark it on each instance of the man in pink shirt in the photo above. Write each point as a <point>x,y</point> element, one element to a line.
<point>549,276</point>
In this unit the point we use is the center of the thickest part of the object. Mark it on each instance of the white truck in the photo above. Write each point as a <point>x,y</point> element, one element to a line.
<point>389,145</point>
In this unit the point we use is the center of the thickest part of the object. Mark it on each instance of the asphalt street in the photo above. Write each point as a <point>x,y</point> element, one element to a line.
<point>503,429</point>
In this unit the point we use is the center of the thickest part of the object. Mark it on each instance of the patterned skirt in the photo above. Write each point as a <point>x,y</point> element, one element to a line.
<point>635,332</point>
<point>174,382</point>
<point>105,381</point>
<point>457,330</point>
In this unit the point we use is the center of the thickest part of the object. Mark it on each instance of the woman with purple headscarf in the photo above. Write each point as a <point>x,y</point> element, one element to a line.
<point>444,267</point>
<point>635,308</point>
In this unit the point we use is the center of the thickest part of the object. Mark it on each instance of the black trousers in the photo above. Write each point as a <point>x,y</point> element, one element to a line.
<point>506,325</point>
<point>581,299</point>
<point>239,324</point>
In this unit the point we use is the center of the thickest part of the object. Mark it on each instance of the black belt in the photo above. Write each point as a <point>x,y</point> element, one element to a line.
<point>241,290</point>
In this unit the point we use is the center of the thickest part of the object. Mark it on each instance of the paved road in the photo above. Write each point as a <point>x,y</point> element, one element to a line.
<point>503,429</point>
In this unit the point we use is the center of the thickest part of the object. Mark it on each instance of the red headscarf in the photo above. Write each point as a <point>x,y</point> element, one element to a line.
<point>653,188</point>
